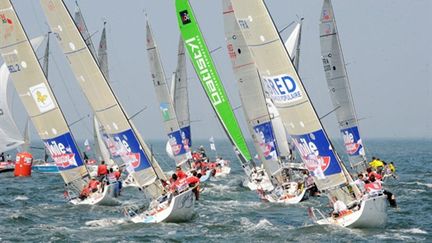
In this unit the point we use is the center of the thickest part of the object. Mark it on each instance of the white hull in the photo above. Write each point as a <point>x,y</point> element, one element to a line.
<point>107,198</point>
<point>372,214</point>
<point>178,209</point>
<point>265,184</point>
<point>206,176</point>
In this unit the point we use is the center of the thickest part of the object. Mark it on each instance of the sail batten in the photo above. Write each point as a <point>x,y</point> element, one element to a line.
<point>39,101</point>
<point>339,87</point>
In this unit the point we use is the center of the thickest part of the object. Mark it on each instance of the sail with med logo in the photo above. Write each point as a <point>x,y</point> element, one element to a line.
<point>339,88</point>
<point>39,100</point>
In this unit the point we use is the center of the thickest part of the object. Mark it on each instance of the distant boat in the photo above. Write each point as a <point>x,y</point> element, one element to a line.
<point>300,119</point>
<point>120,135</point>
<point>339,89</point>
<point>42,107</point>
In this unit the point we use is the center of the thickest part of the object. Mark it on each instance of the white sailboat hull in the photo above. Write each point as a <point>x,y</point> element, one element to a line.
<point>372,214</point>
<point>107,198</point>
<point>178,209</point>
<point>285,198</point>
<point>224,171</point>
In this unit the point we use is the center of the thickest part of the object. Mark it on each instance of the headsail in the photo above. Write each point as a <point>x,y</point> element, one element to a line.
<point>179,92</point>
<point>293,44</point>
<point>210,81</point>
<point>251,93</point>
<point>101,149</point>
<point>38,99</point>
<point>339,87</point>
<point>287,92</point>
<point>45,63</point>
<point>177,141</point>
<point>120,136</point>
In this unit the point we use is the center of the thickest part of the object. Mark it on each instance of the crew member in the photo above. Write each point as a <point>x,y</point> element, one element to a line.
<point>102,170</point>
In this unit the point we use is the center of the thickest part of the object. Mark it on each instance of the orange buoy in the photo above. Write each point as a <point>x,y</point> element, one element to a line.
<point>23,164</point>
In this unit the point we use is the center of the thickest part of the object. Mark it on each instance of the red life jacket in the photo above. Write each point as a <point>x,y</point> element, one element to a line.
<point>192,180</point>
<point>93,184</point>
<point>102,170</point>
<point>373,186</point>
<point>117,174</point>
<point>180,174</point>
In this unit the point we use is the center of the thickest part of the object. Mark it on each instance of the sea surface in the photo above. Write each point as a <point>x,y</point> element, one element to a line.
<point>33,209</point>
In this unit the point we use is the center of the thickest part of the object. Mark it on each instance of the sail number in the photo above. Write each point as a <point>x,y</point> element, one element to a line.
<point>14,68</point>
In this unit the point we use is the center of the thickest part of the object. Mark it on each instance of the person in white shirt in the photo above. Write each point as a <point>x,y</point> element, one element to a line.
<point>339,207</point>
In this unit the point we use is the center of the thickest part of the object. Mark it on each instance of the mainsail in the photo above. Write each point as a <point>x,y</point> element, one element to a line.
<point>288,93</point>
<point>103,54</point>
<point>38,99</point>
<point>293,44</point>
<point>210,81</point>
<point>82,27</point>
<point>120,135</point>
<point>339,87</point>
<point>179,93</point>
<point>251,93</point>
<point>177,140</point>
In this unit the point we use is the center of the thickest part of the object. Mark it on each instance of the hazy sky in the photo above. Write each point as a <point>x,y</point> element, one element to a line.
<point>387,45</point>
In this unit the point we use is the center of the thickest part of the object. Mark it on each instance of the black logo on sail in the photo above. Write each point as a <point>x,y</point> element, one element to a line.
<point>185,17</point>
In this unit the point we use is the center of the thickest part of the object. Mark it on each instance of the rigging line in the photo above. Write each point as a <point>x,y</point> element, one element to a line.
<point>77,113</point>
<point>75,122</point>
<point>286,27</point>
<point>137,113</point>
<point>216,49</point>
<point>328,113</point>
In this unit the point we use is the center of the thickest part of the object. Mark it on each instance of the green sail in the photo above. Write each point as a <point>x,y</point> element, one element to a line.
<point>210,80</point>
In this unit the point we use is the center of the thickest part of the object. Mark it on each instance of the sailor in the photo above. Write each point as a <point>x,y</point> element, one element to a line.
<point>360,182</point>
<point>2,157</point>
<point>179,172</point>
<point>374,185</point>
<point>111,177</point>
<point>202,151</point>
<point>194,181</point>
<point>9,158</point>
<point>102,170</point>
<point>375,163</point>
<point>373,173</point>
<point>173,178</point>
<point>93,185</point>
<point>339,207</point>
<point>392,167</point>
<point>196,156</point>
<point>85,192</point>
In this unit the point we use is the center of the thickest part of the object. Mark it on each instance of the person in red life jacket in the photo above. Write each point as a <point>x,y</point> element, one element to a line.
<point>179,172</point>
<point>85,192</point>
<point>194,181</point>
<point>196,156</point>
<point>370,172</point>
<point>93,185</point>
<point>373,185</point>
<point>102,170</point>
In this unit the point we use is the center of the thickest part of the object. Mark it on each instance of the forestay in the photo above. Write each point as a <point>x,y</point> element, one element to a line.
<point>251,93</point>
<point>339,87</point>
<point>177,140</point>
<point>120,136</point>
<point>210,81</point>
<point>179,92</point>
<point>287,92</point>
<point>37,97</point>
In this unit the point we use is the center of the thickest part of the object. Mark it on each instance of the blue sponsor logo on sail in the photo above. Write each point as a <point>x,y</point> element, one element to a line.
<point>267,140</point>
<point>64,152</point>
<point>352,141</point>
<point>282,88</point>
<point>175,141</point>
<point>317,154</point>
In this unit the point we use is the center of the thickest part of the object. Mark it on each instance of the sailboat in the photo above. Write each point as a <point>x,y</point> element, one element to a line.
<point>339,88</point>
<point>10,136</point>
<point>120,135</point>
<point>285,175</point>
<point>42,107</point>
<point>213,87</point>
<point>300,119</point>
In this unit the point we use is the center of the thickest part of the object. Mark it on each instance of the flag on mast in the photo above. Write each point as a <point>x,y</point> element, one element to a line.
<point>212,144</point>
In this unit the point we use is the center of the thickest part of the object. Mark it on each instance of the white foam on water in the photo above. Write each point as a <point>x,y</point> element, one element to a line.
<point>103,223</point>
<point>262,224</point>
<point>414,231</point>
<point>21,198</point>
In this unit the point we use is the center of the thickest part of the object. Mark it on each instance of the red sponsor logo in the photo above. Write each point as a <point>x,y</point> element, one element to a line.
<point>64,160</point>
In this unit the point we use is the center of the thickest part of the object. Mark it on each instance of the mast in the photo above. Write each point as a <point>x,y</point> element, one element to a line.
<point>210,81</point>
<point>172,128</point>
<point>120,134</point>
<point>339,88</point>
<point>38,98</point>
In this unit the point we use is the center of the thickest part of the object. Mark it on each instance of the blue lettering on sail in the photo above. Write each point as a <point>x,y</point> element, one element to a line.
<point>64,152</point>
<point>316,153</point>
<point>126,146</point>
<point>282,88</point>
<point>267,140</point>
<point>352,141</point>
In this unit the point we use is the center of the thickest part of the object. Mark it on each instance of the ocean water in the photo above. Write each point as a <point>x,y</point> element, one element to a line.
<point>33,209</point>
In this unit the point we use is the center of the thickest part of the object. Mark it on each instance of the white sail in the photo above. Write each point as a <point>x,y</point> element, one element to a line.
<point>38,98</point>
<point>101,149</point>
<point>120,135</point>
<point>251,93</point>
<point>288,93</point>
<point>82,27</point>
<point>292,44</point>
<point>103,54</point>
<point>339,88</point>
<point>10,135</point>
<point>177,140</point>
